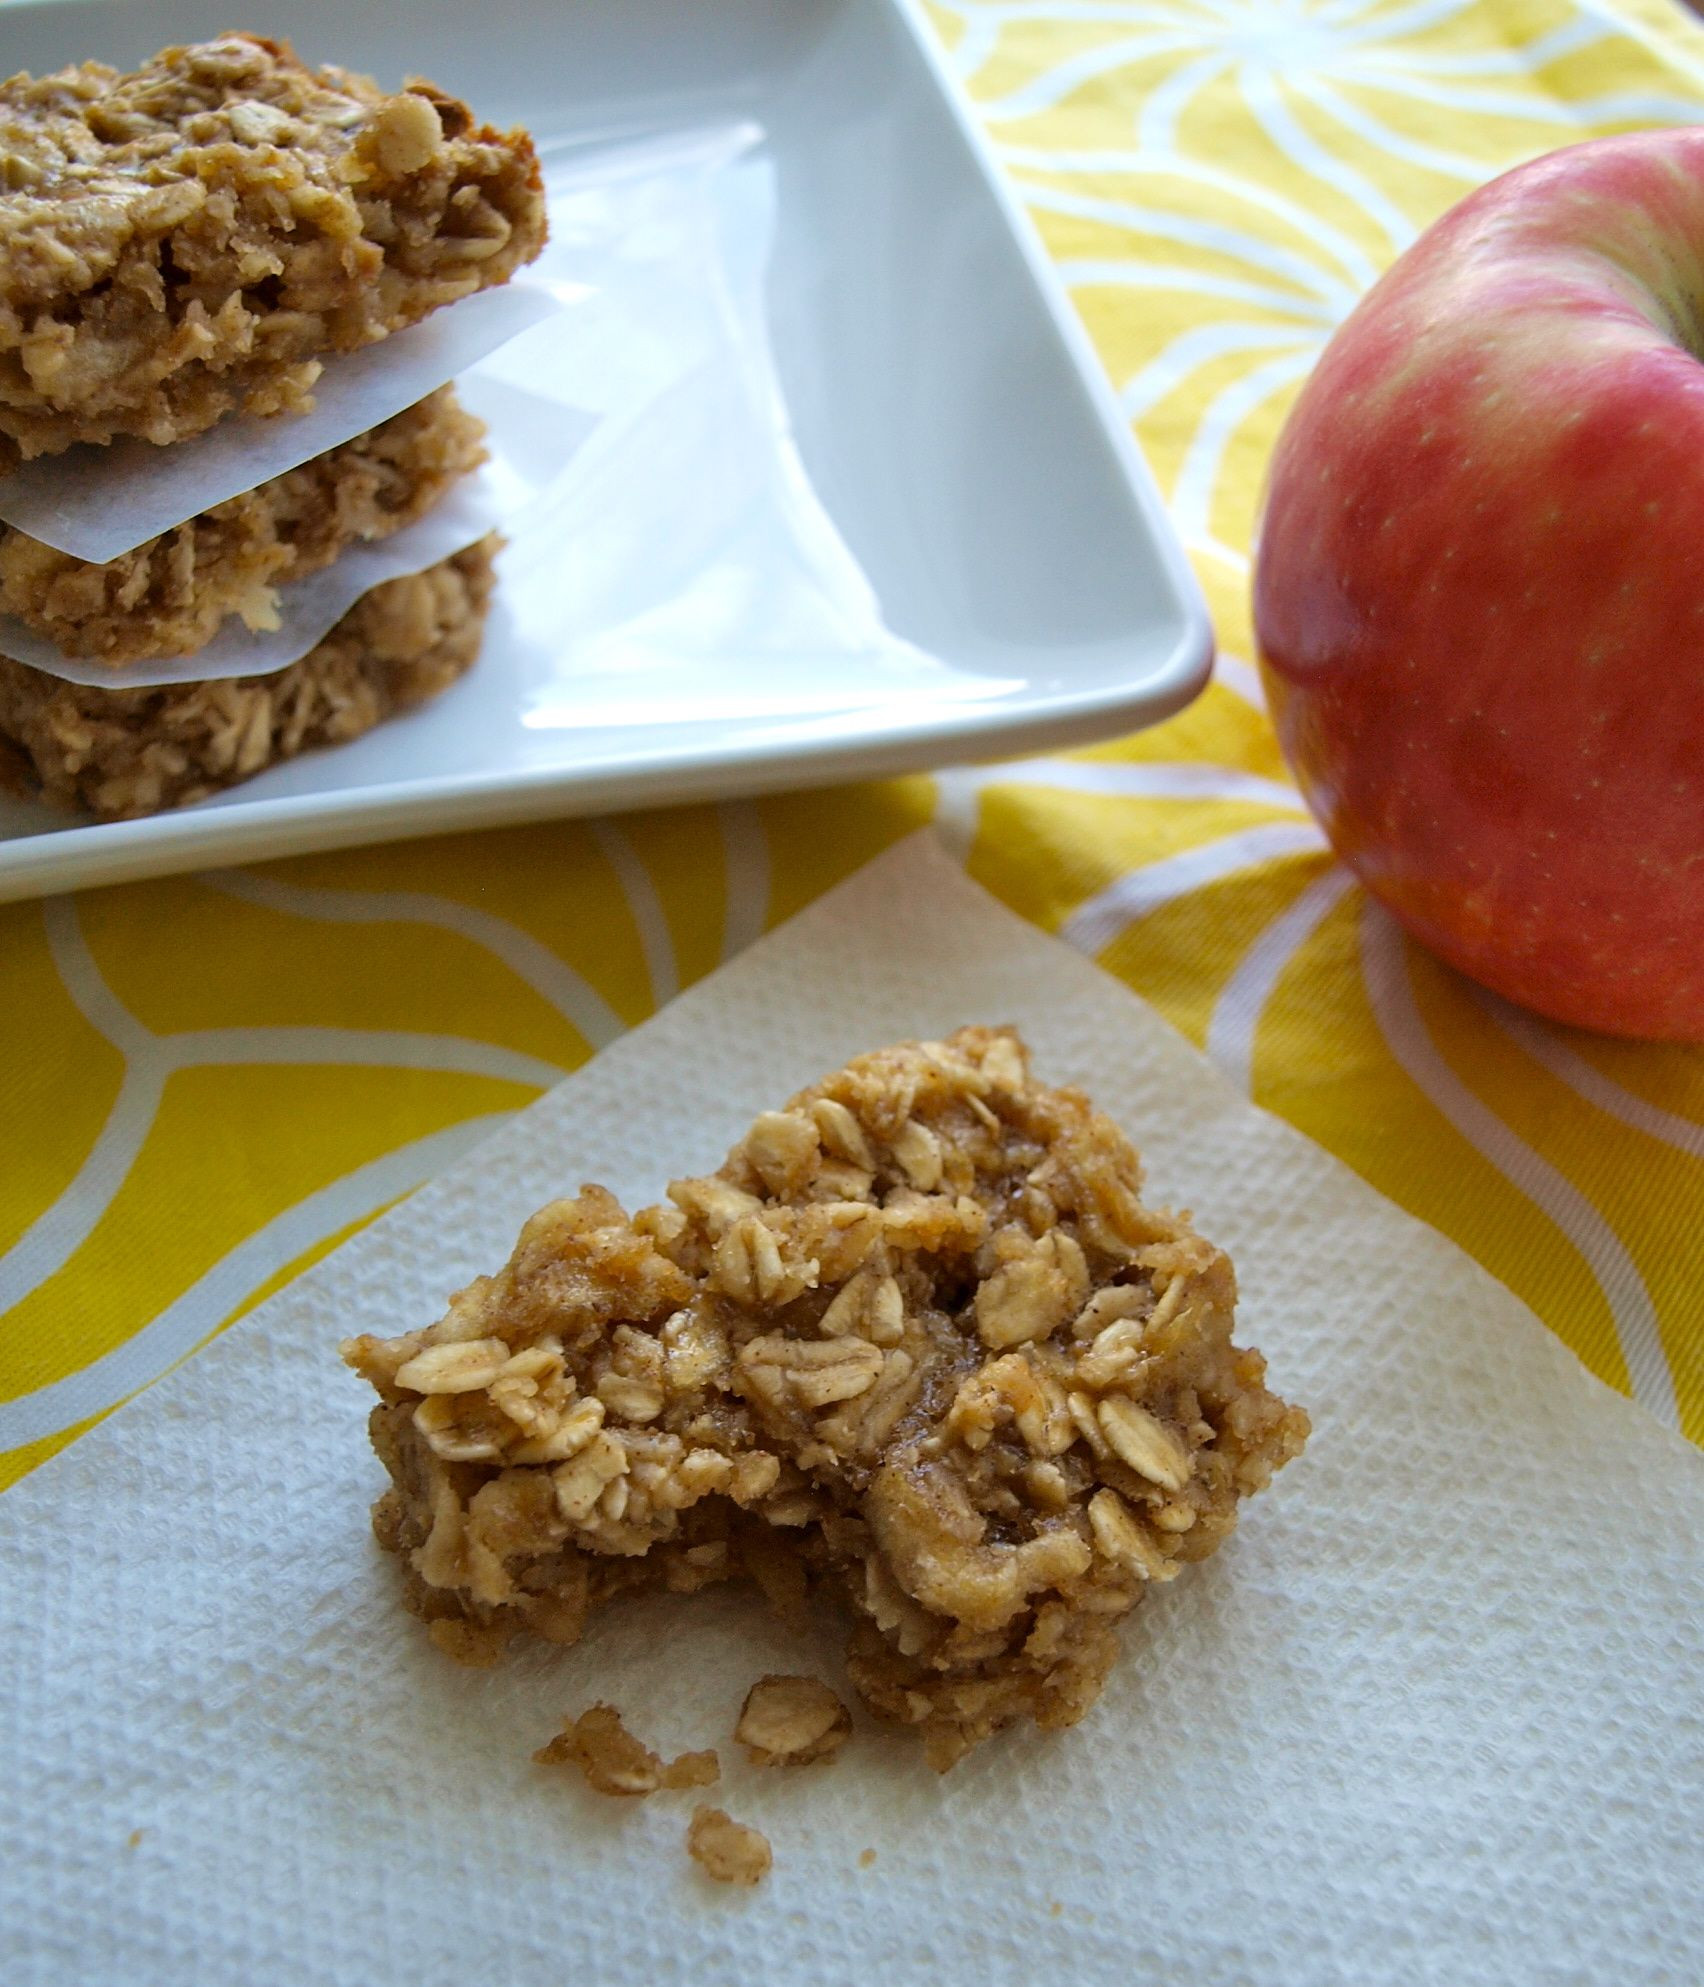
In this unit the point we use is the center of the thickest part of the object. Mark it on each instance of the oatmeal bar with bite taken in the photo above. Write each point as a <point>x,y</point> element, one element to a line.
<point>198,236</point>
<point>918,1348</point>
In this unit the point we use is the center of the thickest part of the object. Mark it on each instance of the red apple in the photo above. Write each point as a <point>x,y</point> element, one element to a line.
<point>1479,595</point>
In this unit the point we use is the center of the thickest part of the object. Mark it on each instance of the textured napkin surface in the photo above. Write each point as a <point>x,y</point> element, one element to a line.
<point>1434,1714</point>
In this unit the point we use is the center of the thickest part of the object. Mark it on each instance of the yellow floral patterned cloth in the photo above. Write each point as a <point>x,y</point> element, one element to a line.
<point>211,1081</point>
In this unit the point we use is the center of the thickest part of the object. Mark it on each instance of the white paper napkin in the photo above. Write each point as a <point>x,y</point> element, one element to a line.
<point>1433,1715</point>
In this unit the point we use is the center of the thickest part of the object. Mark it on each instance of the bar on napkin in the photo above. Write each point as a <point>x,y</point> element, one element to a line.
<point>1433,1714</point>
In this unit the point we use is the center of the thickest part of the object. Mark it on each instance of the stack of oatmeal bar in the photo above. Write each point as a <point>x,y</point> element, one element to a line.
<point>196,240</point>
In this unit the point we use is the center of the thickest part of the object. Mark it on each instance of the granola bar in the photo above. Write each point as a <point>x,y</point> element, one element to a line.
<point>171,594</point>
<point>120,753</point>
<point>199,235</point>
<point>919,1341</point>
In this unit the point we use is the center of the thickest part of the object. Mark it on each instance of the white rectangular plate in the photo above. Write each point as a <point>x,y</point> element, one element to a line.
<point>947,405</point>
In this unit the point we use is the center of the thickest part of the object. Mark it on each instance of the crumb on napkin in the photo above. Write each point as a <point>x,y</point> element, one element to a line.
<point>613,1761</point>
<point>726,1850</point>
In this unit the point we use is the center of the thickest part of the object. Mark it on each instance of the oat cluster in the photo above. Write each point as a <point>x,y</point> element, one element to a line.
<point>120,753</point>
<point>792,1721</point>
<point>917,1350</point>
<point>727,1851</point>
<point>198,236</point>
<point>171,594</point>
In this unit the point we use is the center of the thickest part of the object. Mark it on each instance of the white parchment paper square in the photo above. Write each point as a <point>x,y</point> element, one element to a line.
<point>1435,1713</point>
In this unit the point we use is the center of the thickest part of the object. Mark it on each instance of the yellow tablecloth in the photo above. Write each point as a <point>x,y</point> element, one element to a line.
<point>211,1081</point>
